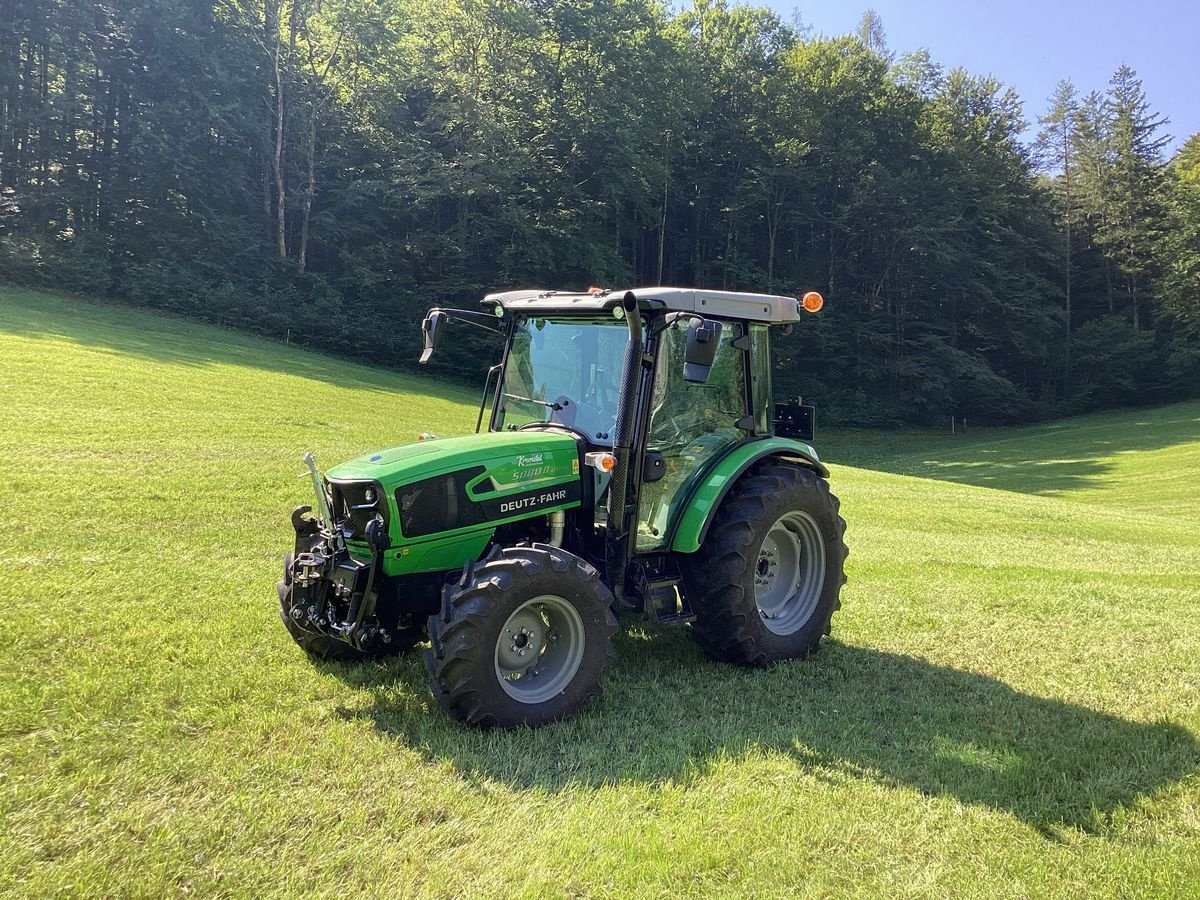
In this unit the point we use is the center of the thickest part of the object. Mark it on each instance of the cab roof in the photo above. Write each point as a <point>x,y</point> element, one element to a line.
<point>718,304</point>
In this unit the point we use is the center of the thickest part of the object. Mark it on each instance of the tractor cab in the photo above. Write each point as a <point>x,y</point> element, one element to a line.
<point>632,459</point>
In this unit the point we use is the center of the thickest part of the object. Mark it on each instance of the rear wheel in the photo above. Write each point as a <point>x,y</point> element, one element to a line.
<point>765,583</point>
<point>523,638</point>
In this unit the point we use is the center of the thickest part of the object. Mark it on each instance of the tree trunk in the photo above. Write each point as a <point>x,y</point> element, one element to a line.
<point>1134,295</point>
<point>104,199</point>
<point>728,253</point>
<point>24,114</point>
<point>68,209</point>
<point>277,166</point>
<point>8,97</point>
<point>310,152</point>
<point>1068,213</point>
<point>662,218</point>
<point>44,137</point>
<point>92,164</point>
<point>271,11</point>
<point>832,261</point>
<point>772,233</point>
<point>123,241</point>
<point>1067,340</point>
<point>775,207</point>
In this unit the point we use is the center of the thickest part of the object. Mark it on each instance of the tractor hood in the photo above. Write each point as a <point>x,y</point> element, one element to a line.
<point>446,496</point>
<point>511,460</point>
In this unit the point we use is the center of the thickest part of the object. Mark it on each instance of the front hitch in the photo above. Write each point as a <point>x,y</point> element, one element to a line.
<point>363,604</point>
<point>305,527</point>
<point>325,579</point>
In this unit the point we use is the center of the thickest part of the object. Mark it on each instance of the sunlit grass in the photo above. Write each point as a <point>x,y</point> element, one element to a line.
<point>1009,707</point>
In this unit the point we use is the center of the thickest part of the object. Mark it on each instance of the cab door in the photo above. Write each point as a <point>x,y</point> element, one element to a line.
<point>691,426</point>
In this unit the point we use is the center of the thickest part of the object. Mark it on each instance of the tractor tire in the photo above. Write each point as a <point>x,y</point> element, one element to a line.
<point>323,647</point>
<point>765,582</point>
<point>523,638</point>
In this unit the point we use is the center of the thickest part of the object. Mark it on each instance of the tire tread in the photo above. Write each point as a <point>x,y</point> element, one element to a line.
<point>457,659</point>
<point>715,575</point>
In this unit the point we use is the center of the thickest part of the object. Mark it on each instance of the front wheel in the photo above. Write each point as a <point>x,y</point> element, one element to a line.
<point>523,638</point>
<point>765,583</point>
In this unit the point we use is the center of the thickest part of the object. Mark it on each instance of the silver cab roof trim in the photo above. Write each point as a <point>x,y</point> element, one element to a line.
<point>720,304</point>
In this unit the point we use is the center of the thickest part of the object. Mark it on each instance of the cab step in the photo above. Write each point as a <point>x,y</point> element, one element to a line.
<point>659,584</point>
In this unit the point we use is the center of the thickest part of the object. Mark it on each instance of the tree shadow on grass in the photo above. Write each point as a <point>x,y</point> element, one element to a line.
<point>153,335</point>
<point>669,715</point>
<point>1060,456</point>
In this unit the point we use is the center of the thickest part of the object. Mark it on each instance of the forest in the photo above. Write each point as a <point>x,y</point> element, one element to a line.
<point>323,171</point>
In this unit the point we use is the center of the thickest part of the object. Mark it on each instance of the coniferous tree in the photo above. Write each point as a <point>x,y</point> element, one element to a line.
<point>1056,146</point>
<point>1134,204</point>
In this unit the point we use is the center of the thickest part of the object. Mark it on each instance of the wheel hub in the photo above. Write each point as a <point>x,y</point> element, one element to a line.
<point>539,649</point>
<point>523,640</point>
<point>790,573</point>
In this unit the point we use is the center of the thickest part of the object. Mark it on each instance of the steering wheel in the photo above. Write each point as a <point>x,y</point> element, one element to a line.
<point>591,419</point>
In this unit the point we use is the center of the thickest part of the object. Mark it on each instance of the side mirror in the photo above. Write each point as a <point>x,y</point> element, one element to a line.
<point>704,336</point>
<point>431,328</point>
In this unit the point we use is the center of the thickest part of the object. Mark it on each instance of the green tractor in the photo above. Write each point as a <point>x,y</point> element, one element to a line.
<point>633,461</point>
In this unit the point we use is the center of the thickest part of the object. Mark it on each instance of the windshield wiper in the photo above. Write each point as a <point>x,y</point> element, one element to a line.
<point>554,406</point>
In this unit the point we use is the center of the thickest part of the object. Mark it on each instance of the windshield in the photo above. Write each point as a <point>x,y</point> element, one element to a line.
<point>566,371</point>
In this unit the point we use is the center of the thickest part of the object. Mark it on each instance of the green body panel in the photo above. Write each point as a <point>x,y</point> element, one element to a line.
<point>438,554</point>
<point>424,459</point>
<point>514,464</point>
<point>707,497</point>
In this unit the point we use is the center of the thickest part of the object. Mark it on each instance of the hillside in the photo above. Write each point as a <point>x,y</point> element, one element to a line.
<point>1011,703</point>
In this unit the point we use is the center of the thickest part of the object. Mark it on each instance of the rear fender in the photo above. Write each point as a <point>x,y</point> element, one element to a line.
<point>706,498</point>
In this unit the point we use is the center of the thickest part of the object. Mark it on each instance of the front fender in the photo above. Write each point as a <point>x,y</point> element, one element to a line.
<point>707,497</point>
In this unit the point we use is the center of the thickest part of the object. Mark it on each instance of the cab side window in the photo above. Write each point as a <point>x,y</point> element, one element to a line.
<point>691,425</point>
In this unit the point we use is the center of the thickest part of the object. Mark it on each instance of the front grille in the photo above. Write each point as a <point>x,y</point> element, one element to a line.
<point>439,504</point>
<point>348,495</point>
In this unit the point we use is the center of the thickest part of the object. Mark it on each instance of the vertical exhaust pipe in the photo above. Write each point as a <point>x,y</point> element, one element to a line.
<point>616,532</point>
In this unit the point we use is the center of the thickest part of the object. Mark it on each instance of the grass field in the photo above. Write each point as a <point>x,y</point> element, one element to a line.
<point>1010,705</point>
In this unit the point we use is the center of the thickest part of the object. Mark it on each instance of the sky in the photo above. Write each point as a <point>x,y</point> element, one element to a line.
<point>1031,46</point>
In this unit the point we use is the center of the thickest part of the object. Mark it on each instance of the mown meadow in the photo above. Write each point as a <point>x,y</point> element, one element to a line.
<point>1010,704</point>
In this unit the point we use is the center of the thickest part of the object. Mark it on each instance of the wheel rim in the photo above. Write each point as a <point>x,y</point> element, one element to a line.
<point>790,572</point>
<point>540,648</point>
